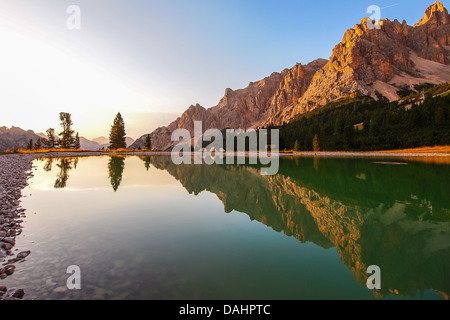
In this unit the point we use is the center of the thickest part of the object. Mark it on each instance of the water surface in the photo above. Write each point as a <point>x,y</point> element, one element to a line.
<point>144,228</point>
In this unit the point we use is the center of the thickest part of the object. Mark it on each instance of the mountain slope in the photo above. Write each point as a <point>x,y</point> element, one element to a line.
<point>15,137</point>
<point>244,108</point>
<point>366,62</point>
<point>369,60</point>
<point>87,144</point>
<point>364,124</point>
<point>101,140</point>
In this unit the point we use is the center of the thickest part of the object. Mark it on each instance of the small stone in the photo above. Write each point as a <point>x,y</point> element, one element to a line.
<point>7,246</point>
<point>3,289</point>
<point>19,293</point>
<point>23,254</point>
<point>60,289</point>
<point>3,234</point>
<point>9,240</point>
<point>9,269</point>
<point>3,276</point>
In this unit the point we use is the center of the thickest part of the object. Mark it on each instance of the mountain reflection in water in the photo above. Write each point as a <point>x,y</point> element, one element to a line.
<point>396,217</point>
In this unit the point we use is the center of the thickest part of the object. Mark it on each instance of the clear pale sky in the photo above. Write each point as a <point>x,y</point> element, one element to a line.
<point>152,59</point>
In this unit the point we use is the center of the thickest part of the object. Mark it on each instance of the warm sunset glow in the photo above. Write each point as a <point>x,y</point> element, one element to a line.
<point>39,80</point>
<point>129,56</point>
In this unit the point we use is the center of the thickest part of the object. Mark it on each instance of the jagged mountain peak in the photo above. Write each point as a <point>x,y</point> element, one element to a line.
<point>368,61</point>
<point>436,12</point>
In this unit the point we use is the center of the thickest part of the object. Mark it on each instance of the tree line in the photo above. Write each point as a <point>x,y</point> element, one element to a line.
<point>67,139</point>
<point>420,119</point>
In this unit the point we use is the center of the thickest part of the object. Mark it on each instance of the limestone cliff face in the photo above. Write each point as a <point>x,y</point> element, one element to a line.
<point>370,59</point>
<point>430,37</point>
<point>247,108</point>
<point>161,137</point>
<point>367,61</point>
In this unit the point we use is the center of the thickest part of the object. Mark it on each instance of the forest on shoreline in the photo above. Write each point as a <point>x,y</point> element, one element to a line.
<point>420,118</point>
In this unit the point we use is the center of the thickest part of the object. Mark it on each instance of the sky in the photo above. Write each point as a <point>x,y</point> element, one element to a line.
<point>152,59</point>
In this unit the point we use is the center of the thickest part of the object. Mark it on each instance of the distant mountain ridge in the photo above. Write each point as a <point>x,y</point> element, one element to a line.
<point>245,108</point>
<point>366,62</point>
<point>103,143</point>
<point>18,138</point>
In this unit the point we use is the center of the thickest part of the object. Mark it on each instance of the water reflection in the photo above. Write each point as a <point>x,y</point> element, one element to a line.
<point>147,162</point>
<point>396,217</point>
<point>64,165</point>
<point>116,166</point>
<point>48,165</point>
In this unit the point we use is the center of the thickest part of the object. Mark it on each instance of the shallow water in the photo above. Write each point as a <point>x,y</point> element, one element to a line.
<point>144,228</point>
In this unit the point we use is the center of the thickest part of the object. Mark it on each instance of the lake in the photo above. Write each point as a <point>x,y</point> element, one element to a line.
<point>144,228</point>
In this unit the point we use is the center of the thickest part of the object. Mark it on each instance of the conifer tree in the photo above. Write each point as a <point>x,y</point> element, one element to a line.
<point>296,146</point>
<point>67,133</point>
<point>38,144</point>
<point>117,134</point>
<point>30,145</point>
<point>148,142</point>
<point>316,146</point>
<point>51,137</point>
<point>77,145</point>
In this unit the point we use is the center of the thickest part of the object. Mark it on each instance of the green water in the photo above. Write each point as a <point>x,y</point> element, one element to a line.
<point>144,228</point>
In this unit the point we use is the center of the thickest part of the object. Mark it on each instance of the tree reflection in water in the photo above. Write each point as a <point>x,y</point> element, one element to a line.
<point>64,165</point>
<point>116,166</point>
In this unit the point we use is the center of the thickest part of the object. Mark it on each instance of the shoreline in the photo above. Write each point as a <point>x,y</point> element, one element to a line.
<point>323,154</point>
<point>15,170</point>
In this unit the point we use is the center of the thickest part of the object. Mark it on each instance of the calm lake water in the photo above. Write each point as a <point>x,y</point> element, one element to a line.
<point>144,228</point>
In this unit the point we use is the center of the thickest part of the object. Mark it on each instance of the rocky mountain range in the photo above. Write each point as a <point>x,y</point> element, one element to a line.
<point>369,61</point>
<point>102,143</point>
<point>15,137</point>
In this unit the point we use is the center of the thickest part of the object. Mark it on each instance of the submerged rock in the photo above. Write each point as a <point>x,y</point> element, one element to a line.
<point>19,293</point>
<point>23,254</point>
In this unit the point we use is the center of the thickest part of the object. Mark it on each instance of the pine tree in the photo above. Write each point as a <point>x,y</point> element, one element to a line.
<point>117,134</point>
<point>296,146</point>
<point>439,117</point>
<point>30,145</point>
<point>77,145</point>
<point>51,137</point>
<point>148,143</point>
<point>67,133</point>
<point>38,145</point>
<point>316,146</point>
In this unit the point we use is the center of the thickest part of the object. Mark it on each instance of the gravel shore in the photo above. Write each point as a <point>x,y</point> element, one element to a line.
<point>14,173</point>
